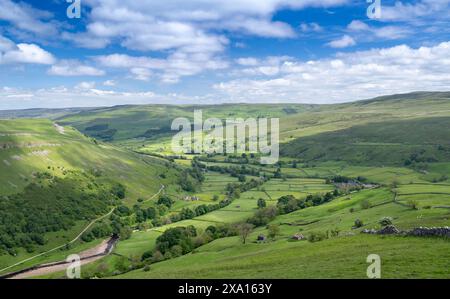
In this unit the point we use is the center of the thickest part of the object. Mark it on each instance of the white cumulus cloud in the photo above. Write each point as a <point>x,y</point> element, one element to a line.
<point>343,42</point>
<point>10,53</point>
<point>346,77</point>
<point>72,68</point>
<point>169,70</point>
<point>193,35</point>
<point>24,17</point>
<point>383,32</point>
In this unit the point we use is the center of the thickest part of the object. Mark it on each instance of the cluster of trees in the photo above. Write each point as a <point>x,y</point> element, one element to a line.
<point>99,230</point>
<point>246,228</point>
<point>141,215</point>
<point>418,158</point>
<point>165,200</point>
<point>234,171</point>
<point>51,204</point>
<point>263,216</point>
<point>118,190</point>
<point>178,241</point>
<point>187,213</point>
<point>181,237</point>
<point>243,158</point>
<point>250,159</point>
<point>287,204</point>
<point>120,227</point>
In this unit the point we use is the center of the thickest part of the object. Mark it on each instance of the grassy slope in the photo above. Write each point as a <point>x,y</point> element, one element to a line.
<point>333,258</point>
<point>30,146</point>
<point>327,118</point>
<point>40,113</point>
<point>380,143</point>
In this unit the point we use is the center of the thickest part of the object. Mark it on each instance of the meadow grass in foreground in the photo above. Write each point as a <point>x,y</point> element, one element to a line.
<point>345,257</point>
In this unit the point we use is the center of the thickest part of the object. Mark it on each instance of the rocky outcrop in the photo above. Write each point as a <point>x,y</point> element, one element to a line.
<point>430,232</point>
<point>388,230</point>
<point>416,232</point>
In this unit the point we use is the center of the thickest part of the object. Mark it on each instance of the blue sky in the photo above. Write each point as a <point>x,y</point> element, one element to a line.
<point>215,51</point>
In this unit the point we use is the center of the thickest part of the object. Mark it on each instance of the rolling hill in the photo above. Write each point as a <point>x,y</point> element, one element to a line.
<point>30,146</point>
<point>404,142</point>
<point>138,123</point>
<point>54,180</point>
<point>141,126</point>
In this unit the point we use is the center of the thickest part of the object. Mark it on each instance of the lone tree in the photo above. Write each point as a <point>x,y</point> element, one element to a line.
<point>165,200</point>
<point>394,184</point>
<point>245,230</point>
<point>274,230</point>
<point>261,203</point>
<point>118,190</point>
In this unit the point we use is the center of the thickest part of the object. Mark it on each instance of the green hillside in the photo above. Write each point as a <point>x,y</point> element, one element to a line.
<point>147,128</point>
<point>405,142</point>
<point>138,123</point>
<point>333,258</point>
<point>40,113</point>
<point>328,118</point>
<point>31,146</point>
